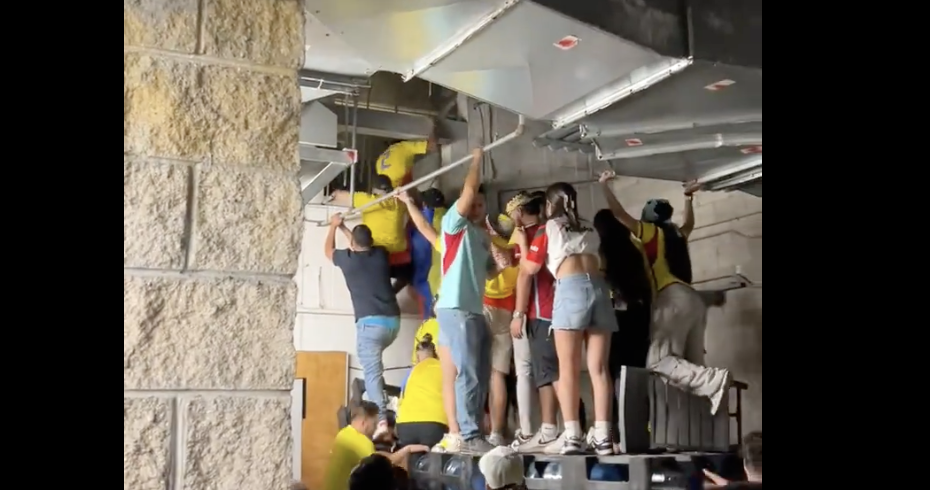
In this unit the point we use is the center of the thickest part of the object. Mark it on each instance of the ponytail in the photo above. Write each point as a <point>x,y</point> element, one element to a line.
<point>564,200</point>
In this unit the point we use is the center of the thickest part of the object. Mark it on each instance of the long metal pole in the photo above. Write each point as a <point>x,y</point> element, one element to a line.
<point>505,139</point>
<point>352,168</point>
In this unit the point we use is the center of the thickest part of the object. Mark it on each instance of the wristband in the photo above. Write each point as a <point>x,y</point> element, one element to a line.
<point>518,314</point>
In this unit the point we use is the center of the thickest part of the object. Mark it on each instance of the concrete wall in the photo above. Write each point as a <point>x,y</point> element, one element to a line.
<point>211,231</point>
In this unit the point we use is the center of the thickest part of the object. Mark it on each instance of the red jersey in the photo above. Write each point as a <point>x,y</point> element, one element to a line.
<point>543,292</point>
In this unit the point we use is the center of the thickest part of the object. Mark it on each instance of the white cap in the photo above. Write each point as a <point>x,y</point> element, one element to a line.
<point>501,467</point>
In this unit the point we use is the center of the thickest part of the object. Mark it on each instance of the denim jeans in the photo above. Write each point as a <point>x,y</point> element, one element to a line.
<point>373,335</point>
<point>468,338</point>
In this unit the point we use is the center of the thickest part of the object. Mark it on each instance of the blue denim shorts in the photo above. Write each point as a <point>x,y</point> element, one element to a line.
<point>582,301</point>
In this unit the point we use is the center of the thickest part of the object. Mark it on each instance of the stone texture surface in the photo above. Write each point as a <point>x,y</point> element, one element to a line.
<point>267,32</point>
<point>166,24</point>
<point>146,443</point>
<point>184,110</point>
<point>154,211</point>
<point>193,334</point>
<point>237,443</point>
<point>247,221</point>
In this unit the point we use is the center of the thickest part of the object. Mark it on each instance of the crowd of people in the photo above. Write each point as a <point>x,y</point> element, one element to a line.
<point>522,292</point>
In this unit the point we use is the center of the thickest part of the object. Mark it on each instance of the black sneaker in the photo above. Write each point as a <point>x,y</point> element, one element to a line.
<point>573,445</point>
<point>603,447</point>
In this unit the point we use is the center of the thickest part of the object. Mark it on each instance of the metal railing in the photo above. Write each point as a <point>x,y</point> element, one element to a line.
<point>500,141</point>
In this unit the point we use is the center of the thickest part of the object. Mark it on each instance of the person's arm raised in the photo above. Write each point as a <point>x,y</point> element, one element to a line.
<point>688,225</point>
<point>419,221</point>
<point>472,182</point>
<point>329,246</point>
<point>616,208</point>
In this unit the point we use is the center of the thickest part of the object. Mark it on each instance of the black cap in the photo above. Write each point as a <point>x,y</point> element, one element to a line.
<point>382,183</point>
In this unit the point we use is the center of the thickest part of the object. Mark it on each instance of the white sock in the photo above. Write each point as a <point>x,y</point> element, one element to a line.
<point>601,430</point>
<point>573,429</point>
<point>549,431</point>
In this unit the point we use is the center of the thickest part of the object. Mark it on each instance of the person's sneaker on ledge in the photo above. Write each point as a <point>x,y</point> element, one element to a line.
<point>572,445</point>
<point>519,439</point>
<point>477,445</point>
<point>536,444</point>
<point>496,439</point>
<point>450,443</point>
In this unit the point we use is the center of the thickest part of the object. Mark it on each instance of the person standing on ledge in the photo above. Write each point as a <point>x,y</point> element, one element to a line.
<point>377,315</point>
<point>679,315</point>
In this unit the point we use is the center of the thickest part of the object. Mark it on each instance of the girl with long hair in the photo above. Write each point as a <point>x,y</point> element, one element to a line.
<point>582,312</point>
<point>679,315</point>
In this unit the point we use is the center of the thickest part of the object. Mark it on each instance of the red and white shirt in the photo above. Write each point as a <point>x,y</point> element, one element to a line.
<point>543,292</point>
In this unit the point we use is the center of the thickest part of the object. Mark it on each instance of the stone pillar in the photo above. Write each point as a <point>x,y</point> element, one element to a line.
<point>211,232</point>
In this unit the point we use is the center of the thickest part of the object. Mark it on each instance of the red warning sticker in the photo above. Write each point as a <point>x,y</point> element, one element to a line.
<point>634,142</point>
<point>352,154</point>
<point>719,85</point>
<point>567,42</point>
<point>749,150</point>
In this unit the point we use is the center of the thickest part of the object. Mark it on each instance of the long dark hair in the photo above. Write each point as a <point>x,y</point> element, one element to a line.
<point>564,201</point>
<point>625,266</point>
<point>676,245</point>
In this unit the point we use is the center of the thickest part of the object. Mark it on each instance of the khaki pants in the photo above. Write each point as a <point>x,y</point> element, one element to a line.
<point>498,321</point>
<point>676,351</point>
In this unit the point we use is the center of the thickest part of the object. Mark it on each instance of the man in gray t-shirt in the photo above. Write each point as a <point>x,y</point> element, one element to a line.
<point>377,316</point>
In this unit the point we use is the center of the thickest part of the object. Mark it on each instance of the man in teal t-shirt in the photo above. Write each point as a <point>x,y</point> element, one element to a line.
<point>460,312</point>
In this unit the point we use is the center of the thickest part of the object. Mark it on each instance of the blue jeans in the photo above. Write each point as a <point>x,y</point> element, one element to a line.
<point>373,335</point>
<point>468,339</point>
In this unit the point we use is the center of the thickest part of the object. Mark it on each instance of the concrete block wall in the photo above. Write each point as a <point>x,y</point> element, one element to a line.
<point>211,234</point>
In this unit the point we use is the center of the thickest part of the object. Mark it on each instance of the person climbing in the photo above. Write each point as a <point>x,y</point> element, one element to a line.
<point>386,220</point>
<point>464,338</point>
<point>421,417</point>
<point>377,314</point>
<point>679,315</point>
<point>427,269</point>
<point>582,312</point>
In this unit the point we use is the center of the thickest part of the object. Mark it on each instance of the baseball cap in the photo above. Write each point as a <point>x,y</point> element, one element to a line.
<point>501,467</point>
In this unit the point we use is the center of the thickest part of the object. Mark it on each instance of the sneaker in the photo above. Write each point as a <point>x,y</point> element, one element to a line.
<point>450,443</point>
<point>604,447</point>
<point>722,393</point>
<point>478,445</point>
<point>590,438</point>
<point>536,444</point>
<point>519,439</point>
<point>572,446</point>
<point>496,439</point>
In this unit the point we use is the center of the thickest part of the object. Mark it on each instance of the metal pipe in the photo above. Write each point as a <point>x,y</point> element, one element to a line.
<point>702,143</point>
<point>354,135</point>
<point>505,139</point>
<point>745,164</point>
<point>593,130</point>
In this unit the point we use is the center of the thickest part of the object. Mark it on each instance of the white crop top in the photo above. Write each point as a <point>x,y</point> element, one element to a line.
<point>561,244</point>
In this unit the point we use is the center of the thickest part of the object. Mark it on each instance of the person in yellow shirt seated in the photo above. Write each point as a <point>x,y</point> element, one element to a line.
<point>421,416</point>
<point>387,221</point>
<point>429,328</point>
<point>353,443</point>
<point>499,303</point>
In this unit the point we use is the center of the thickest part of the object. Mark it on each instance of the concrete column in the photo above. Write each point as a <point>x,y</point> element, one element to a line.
<point>211,231</point>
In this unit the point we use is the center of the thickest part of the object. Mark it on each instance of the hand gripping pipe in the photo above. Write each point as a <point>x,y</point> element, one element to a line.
<point>505,139</point>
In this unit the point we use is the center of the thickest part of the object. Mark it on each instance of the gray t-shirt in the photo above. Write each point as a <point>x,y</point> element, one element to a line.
<point>368,276</point>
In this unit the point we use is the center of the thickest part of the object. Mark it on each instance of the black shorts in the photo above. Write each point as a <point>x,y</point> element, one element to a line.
<point>427,433</point>
<point>402,272</point>
<point>545,362</point>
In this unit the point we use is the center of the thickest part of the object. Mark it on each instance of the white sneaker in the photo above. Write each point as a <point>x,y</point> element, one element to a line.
<point>722,393</point>
<point>450,443</point>
<point>382,429</point>
<point>536,444</point>
<point>557,446</point>
<point>496,439</point>
<point>589,439</point>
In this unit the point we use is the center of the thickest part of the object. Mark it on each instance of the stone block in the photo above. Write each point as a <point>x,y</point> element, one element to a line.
<point>166,24</point>
<point>164,111</point>
<point>146,443</point>
<point>237,443</point>
<point>256,117</point>
<point>247,221</point>
<point>202,334</point>
<point>188,111</point>
<point>266,32</point>
<point>154,211</point>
